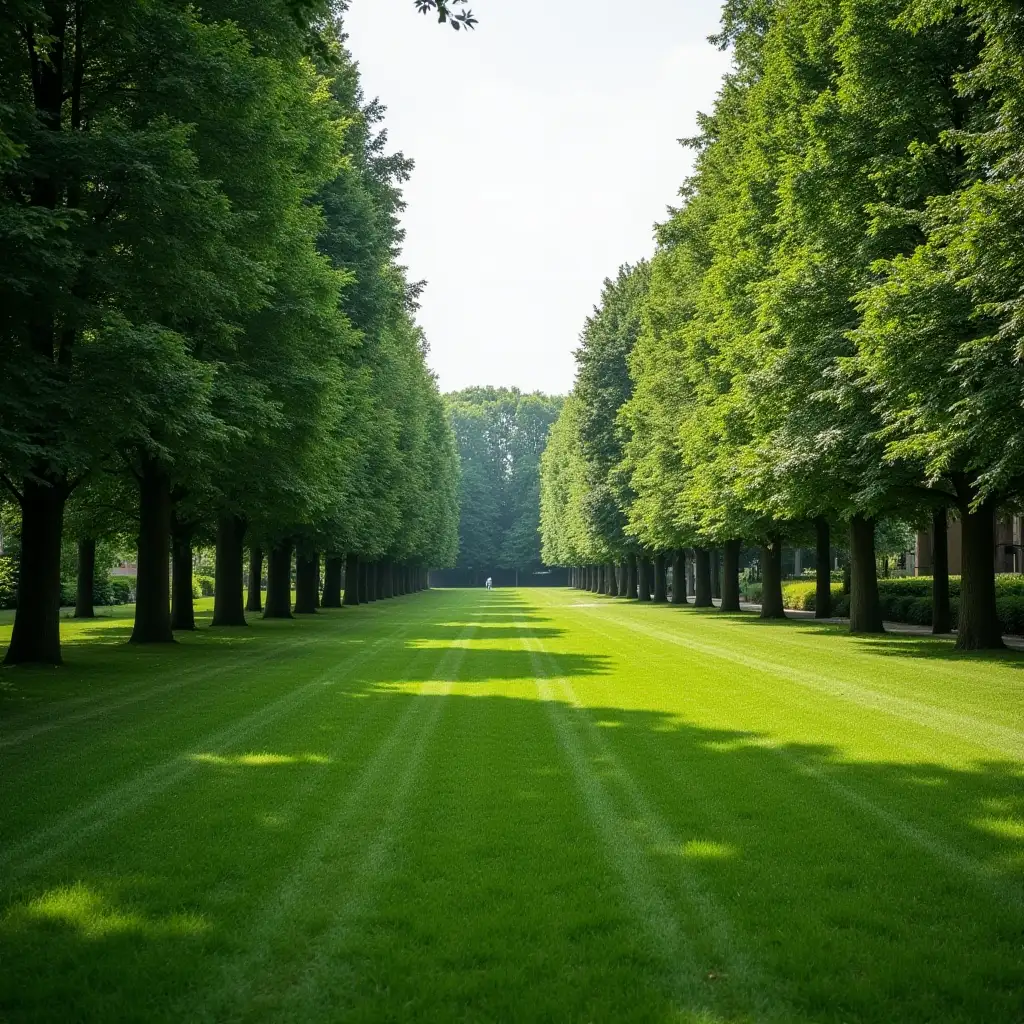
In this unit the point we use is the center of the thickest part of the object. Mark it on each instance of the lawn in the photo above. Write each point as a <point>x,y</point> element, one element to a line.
<point>514,806</point>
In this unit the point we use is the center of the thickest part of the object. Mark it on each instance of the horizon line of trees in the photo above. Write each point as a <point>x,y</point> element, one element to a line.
<point>206,334</point>
<point>500,434</point>
<point>829,333</point>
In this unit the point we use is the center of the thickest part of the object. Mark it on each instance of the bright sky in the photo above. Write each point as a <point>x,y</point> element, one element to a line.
<point>545,148</point>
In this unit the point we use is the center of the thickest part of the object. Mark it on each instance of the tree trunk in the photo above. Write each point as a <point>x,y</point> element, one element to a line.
<point>279,582</point>
<point>36,635</point>
<point>183,616</point>
<point>332,582</point>
<point>351,596</point>
<point>702,581</point>
<point>228,591</point>
<point>613,583</point>
<point>823,570</point>
<point>731,576</point>
<point>307,583</point>
<point>631,581</point>
<point>660,583</point>
<point>942,620</point>
<point>86,579</point>
<point>865,607</point>
<point>371,582</point>
<point>716,573</point>
<point>978,628</point>
<point>152,600</point>
<point>643,579</point>
<point>679,576</point>
<point>771,580</point>
<point>255,602</point>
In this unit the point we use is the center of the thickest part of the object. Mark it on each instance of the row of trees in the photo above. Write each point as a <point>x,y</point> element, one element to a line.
<point>206,335</point>
<point>829,332</point>
<point>500,434</point>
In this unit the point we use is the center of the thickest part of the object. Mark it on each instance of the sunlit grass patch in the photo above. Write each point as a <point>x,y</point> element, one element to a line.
<point>260,760</point>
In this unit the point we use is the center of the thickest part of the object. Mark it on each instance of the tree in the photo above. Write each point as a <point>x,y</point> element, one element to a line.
<point>501,434</point>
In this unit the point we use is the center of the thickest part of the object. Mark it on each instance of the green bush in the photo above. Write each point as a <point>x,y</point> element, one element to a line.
<point>800,594</point>
<point>909,599</point>
<point>204,585</point>
<point>121,589</point>
<point>8,582</point>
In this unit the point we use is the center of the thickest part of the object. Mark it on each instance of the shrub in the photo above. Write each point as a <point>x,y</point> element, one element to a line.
<point>801,594</point>
<point>121,589</point>
<point>8,582</point>
<point>205,585</point>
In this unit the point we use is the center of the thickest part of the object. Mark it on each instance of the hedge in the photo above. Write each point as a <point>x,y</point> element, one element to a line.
<point>909,599</point>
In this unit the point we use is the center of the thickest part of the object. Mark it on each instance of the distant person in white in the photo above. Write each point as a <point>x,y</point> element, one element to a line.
<point>488,584</point>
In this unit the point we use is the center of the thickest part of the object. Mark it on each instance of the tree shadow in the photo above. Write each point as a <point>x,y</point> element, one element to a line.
<point>542,862</point>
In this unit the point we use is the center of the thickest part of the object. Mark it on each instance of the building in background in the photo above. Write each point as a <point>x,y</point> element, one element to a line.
<point>1007,555</point>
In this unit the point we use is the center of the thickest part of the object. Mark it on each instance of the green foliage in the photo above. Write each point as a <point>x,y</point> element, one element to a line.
<point>584,492</point>
<point>201,282</point>
<point>501,434</point>
<point>8,581</point>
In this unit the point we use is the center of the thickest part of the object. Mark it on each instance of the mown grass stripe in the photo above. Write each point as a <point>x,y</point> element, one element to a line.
<point>46,843</point>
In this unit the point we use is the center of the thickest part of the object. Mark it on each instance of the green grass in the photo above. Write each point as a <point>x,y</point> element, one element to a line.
<point>515,806</point>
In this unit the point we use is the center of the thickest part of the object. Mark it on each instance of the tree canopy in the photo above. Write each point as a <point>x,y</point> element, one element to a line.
<point>500,434</point>
<point>202,299</point>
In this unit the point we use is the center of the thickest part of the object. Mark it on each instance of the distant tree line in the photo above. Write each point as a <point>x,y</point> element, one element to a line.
<point>830,330</point>
<point>500,434</point>
<point>206,335</point>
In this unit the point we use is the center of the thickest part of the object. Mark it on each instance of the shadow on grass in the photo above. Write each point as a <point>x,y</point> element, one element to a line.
<point>863,891</point>
<point>888,644</point>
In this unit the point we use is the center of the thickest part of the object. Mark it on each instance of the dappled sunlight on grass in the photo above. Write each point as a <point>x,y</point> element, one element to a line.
<point>511,807</point>
<point>92,916</point>
<point>261,760</point>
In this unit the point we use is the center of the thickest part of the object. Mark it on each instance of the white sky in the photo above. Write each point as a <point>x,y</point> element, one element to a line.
<point>545,148</point>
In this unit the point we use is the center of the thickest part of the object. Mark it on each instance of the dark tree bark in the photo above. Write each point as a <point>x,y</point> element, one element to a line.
<point>307,582</point>
<point>731,576</point>
<point>679,576</point>
<point>942,620</point>
<point>36,635</point>
<point>613,583</point>
<point>35,638</point>
<point>388,580</point>
<point>771,580</point>
<point>152,585</point>
<point>228,589</point>
<point>631,580</point>
<point>643,579</point>
<point>279,582</point>
<point>371,582</point>
<point>351,579</point>
<point>702,578</point>
<point>332,582</point>
<point>255,602</point>
<point>978,628</point>
<point>660,583</point>
<point>823,570</point>
<point>865,607</point>
<point>183,616</point>
<point>716,573</point>
<point>426,577</point>
<point>86,579</point>
<point>361,584</point>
